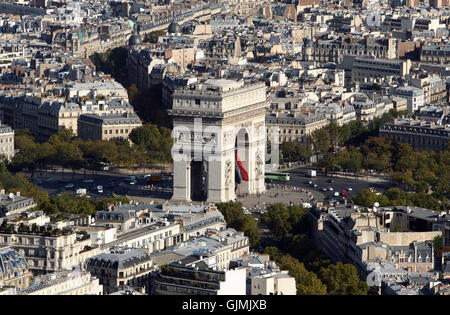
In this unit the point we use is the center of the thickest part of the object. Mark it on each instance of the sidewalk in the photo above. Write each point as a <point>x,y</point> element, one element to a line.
<point>277,193</point>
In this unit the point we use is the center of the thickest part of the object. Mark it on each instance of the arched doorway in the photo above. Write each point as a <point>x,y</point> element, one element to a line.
<point>242,162</point>
<point>199,180</point>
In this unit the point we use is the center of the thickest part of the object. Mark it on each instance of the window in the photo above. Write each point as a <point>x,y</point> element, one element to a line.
<point>197,101</point>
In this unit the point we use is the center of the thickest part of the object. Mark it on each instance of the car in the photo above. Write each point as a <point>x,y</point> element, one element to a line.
<point>88,181</point>
<point>349,189</point>
<point>330,188</point>
<point>132,182</point>
<point>331,180</point>
<point>307,181</point>
<point>324,189</point>
<point>147,176</point>
<point>68,186</point>
<point>315,185</point>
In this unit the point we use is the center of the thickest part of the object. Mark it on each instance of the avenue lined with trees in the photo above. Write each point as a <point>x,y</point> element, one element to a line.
<point>293,249</point>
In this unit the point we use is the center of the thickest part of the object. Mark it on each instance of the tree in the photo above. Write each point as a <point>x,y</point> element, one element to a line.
<point>113,62</point>
<point>350,160</point>
<point>273,252</point>
<point>397,196</point>
<point>343,279</point>
<point>307,282</point>
<point>365,198</point>
<point>152,37</point>
<point>438,243</point>
<point>157,142</point>
<point>235,218</point>
<point>321,140</point>
<point>132,92</point>
<point>334,131</point>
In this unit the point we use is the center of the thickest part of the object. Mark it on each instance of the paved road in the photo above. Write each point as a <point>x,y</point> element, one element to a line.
<point>56,183</point>
<point>298,178</point>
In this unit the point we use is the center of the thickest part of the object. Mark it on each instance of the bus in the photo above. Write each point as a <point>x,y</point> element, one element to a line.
<point>284,177</point>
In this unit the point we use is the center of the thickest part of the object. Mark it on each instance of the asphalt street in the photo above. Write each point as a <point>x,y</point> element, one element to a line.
<point>299,179</point>
<point>119,184</point>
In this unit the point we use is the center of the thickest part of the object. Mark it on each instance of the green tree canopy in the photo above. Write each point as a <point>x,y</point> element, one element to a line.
<point>343,279</point>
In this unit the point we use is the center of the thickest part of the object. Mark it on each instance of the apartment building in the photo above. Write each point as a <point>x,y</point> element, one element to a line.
<point>367,239</point>
<point>6,141</point>
<point>333,50</point>
<point>107,127</point>
<point>196,220</point>
<point>436,54</point>
<point>94,39</point>
<point>181,56</point>
<point>55,116</point>
<point>11,204</point>
<point>294,127</point>
<point>14,270</point>
<point>239,243</point>
<point>418,133</point>
<point>65,282</point>
<point>45,115</point>
<point>125,217</point>
<point>221,48</point>
<point>414,97</point>
<point>366,109</point>
<point>264,277</point>
<point>277,283</point>
<point>433,86</point>
<point>418,219</point>
<point>191,276</point>
<point>48,251</point>
<point>214,250</point>
<point>121,268</point>
<point>140,64</point>
<point>400,103</point>
<point>371,69</point>
<point>153,237</point>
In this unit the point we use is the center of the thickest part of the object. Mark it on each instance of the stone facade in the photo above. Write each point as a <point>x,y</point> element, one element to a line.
<point>419,134</point>
<point>108,127</point>
<point>209,119</point>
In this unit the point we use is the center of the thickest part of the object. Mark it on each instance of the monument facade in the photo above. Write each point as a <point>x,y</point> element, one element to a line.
<point>218,125</point>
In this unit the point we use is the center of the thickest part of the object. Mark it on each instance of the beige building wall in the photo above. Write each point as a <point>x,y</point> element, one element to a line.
<point>80,284</point>
<point>406,238</point>
<point>273,284</point>
<point>182,56</point>
<point>49,253</point>
<point>6,141</point>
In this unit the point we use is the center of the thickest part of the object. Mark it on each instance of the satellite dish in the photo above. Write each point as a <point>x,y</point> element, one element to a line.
<point>376,204</point>
<point>11,195</point>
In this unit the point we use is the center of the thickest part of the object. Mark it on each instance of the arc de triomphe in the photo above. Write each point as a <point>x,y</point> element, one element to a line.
<point>213,121</point>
